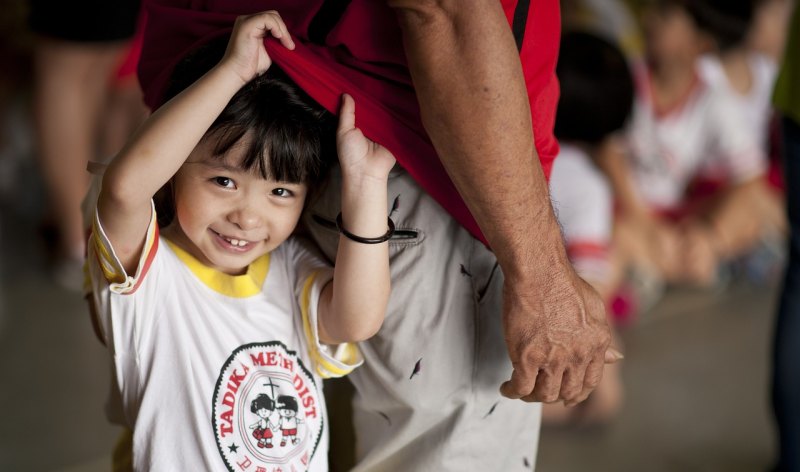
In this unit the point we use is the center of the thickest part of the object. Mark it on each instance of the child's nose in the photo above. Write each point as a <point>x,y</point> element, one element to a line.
<point>246,216</point>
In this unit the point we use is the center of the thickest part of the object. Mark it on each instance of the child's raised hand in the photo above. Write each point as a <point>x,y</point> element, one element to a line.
<point>246,54</point>
<point>359,157</point>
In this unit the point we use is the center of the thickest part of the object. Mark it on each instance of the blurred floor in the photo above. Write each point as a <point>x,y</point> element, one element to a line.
<point>695,372</point>
<point>53,371</point>
<point>697,399</point>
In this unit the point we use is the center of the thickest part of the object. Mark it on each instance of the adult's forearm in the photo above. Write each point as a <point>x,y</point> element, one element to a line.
<point>474,105</point>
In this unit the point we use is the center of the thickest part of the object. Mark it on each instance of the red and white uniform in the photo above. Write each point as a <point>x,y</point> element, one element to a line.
<point>361,54</point>
<point>756,104</point>
<point>289,425</point>
<point>668,148</point>
<point>583,201</point>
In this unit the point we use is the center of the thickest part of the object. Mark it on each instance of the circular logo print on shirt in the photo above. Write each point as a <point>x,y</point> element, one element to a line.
<point>266,412</point>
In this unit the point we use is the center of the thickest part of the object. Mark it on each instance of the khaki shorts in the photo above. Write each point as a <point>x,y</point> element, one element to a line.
<point>427,396</point>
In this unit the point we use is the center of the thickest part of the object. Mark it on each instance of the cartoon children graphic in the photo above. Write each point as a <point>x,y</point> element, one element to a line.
<point>263,406</point>
<point>287,407</point>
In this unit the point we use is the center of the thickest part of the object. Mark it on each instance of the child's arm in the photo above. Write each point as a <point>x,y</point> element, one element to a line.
<point>352,306</point>
<point>610,158</point>
<point>166,139</point>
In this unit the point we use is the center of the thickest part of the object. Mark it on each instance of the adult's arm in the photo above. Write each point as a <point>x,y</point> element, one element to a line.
<point>474,104</point>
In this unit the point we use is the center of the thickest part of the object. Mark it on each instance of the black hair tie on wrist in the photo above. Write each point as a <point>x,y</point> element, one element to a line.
<point>359,239</point>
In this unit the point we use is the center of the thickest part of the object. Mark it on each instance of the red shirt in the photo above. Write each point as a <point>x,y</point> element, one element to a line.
<point>361,54</point>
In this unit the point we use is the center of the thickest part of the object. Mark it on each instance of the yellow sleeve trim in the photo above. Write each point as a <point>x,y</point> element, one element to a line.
<point>347,357</point>
<point>112,269</point>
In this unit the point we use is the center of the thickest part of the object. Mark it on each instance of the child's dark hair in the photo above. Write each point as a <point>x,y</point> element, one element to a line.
<point>596,88</point>
<point>292,139</point>
<point>262,401</point>
<point>286,402</point>
<point>727,21</point>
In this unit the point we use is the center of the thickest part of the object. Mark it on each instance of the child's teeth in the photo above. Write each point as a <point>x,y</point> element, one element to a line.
<point>238,242</point>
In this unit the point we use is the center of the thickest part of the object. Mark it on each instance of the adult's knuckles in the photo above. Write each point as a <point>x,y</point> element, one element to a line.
<point>582,355</point>
<point>535,357</point>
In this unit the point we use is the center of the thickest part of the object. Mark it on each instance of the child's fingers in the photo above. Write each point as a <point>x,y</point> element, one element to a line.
<point>284,37</point>
<point>347,114</point>
<point>271,21</point>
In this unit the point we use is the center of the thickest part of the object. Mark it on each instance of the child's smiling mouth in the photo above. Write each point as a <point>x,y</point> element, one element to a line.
<point>232,244</point>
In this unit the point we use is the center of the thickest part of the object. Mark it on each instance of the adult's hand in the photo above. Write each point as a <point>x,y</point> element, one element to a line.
<point>557,337</point>
<point>474,104</point>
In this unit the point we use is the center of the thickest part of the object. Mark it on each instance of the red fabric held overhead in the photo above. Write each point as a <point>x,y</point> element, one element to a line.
<point>362,55</point>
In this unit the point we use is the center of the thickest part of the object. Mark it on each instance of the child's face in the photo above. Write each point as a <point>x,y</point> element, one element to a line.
<point>227,217</point>
<point>287,412</point>
<point>670,35</point>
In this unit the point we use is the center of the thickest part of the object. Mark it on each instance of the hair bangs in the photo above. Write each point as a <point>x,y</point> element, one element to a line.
<point>283,134</point>
<point>293,152</point>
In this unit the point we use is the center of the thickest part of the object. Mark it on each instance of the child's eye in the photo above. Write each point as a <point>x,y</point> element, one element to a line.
<point>224,182</point>
<point>282,192</point>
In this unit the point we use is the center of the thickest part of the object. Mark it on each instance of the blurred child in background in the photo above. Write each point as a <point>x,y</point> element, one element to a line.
<point>679,122</point>
<point>596,100</point>
<point>82,91</point>
<point>748,35</point>
<point>748,74</point>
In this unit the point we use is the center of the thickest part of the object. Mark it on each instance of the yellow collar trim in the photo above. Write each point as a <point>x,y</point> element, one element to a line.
<point>237,286</point>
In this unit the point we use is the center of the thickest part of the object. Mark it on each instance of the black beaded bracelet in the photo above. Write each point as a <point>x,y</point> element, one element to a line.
<point>359,239</point>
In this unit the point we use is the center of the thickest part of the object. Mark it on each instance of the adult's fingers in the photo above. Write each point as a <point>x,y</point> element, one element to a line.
<point>548,386</point>
<point>613,356</point>
<point>572,384</point>
<point>520,385</point>
<point>592,378</point>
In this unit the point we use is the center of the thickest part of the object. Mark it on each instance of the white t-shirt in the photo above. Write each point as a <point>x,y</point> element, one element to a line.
<point>583,202</point>
<point>669,148</point>
<point>756,104</point>
<point>203,361</point>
